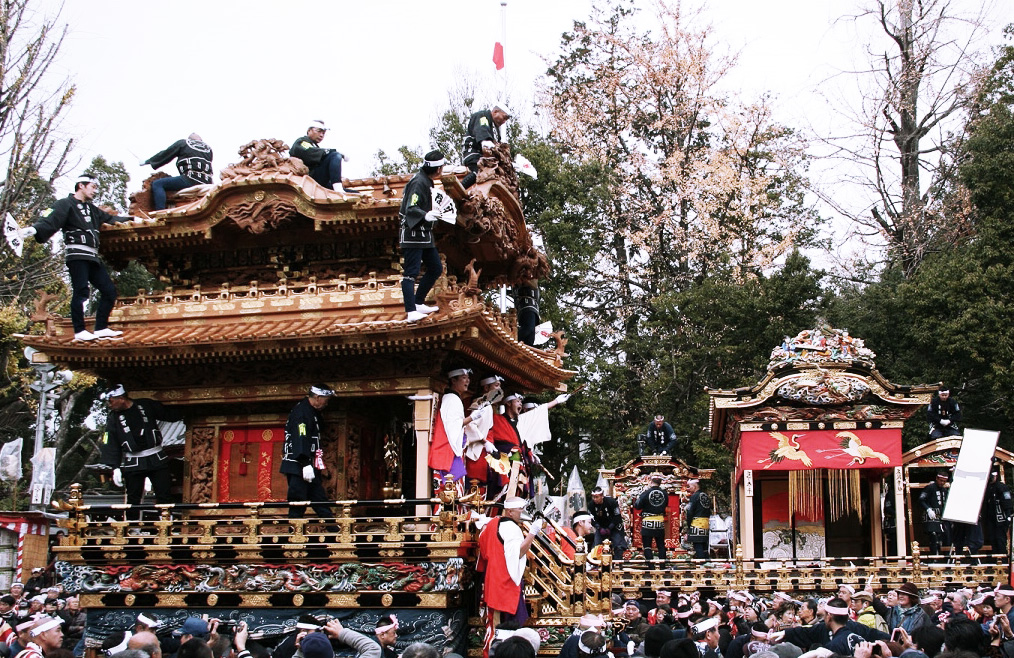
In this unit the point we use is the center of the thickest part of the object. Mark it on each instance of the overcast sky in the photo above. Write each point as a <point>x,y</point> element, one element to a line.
<point>379,72</point>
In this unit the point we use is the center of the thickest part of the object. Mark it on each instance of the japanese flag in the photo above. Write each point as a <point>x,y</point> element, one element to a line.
<point>11,232</point>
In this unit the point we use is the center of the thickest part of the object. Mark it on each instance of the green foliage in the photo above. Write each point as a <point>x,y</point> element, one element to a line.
<point>113,179</point>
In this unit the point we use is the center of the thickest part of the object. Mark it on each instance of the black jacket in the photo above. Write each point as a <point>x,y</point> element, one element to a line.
<point>939,409</point>
<point>416,230</point>
<point>606,514</point>
<point>80,222</point>
<point>193,160</point>
<point>303,432</point>
<point>306,150</point>
<point>481,128</point>
<point>652,501</point>
<point>135,430</point>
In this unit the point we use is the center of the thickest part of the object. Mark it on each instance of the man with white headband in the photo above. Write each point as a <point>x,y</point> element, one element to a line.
<point>418,246</point>
<point>652,503</point>
<point>387,635</point>
<point>303,454</point>
<point>482,135</point>
<point>843,641</point>
<point>447,445</point>
<point>80,221</point>
<point>132,446</point>
<point>503,551</point>
<point>46,635</point>
<point>580,528</point>
<point>325,165</point>
<point>706,636</point>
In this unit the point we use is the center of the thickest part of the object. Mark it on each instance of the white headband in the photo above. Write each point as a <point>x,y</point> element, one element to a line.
<point>147,621</point>
<point>435,163</point>
<point>761,634</point>
<point>583,516</point>
<point>834,610</point>
<point>323,392</point>
<point>847,588</point>
<point>512,396</point>
<point>706,625</point>
<point>664,592</point>
<point>490,380</point>
<point>693,481</point>
<point>457,372</point>
<point>307,627</point>
<point>515,503</point>
<point>45,626</point>
<point>116,392</point>
<point>392,626</point>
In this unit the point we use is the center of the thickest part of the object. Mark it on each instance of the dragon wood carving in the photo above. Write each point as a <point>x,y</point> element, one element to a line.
<point>262,156</point>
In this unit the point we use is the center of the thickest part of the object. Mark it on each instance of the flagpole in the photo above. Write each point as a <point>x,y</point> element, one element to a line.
<point>503,40</point>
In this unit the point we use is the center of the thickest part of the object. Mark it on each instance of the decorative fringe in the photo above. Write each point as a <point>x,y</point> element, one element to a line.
<point>806,495</point>
<point>843,488</point>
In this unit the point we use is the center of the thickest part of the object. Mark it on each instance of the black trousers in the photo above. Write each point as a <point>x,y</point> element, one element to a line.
<point>83,272</point>
<point>133,483</point>
<point>300,489</point>
<point>996,535</point>
<point>413,260</point>
<point>650,536</point>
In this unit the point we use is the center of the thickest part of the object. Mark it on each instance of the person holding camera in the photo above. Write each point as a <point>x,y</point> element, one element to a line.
<point>320,644</point>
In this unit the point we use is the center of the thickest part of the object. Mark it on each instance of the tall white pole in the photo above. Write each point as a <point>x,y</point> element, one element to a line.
<point>503,42</point>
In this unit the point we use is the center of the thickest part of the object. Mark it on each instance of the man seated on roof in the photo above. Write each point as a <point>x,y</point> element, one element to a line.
<point>193,161</point>
<point>325,165</point>
<point>483,133</point>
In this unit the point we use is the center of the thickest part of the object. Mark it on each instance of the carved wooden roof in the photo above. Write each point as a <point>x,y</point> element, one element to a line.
<point>832,383</point>
<point>267,220</point>
<point>198,342</point>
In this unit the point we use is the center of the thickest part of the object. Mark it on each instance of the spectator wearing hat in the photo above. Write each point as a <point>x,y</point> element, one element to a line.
<point>608,522</point>
<point>652,503</point>
<point>132,445</point>
<point>482,134</point>
<point>303,454</point>
<point>907,614</point>
<point>193,161</point>
<point>418,245</point>
<point>18,590</point>
<point>660,439</point>
<point>862,606</point>
<point>325,164</point>
<point>387,635</point>
<point>997,511</point>
<point>80,220</point>
<point>944,414</point>
<point>192,628</point>
<point>22,635</point>
<point>503,551</point>
<point>933,498</point>
<point>319,644</point>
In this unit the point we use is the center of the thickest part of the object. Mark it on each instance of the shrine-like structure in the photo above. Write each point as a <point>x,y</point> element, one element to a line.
<point>274,283</point>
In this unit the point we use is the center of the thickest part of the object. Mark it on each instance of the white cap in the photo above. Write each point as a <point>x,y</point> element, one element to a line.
<point>317,123</point>
<point>705,625</point>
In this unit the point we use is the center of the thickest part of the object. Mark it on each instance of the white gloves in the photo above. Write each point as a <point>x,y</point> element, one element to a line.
<point>490,448</point>
<point>931,514</point>
<point>432,216</point>
<point>537,524</point>
<point>945,422</point>
<point>487,145</point>
<point>117,477</point>
<point>308,472</point>
<point>345,158</point>
<point>142,163</point>
<point>27,232</point>
<point>562,398</point>
<point>475,415</point>
<point>138,220</point>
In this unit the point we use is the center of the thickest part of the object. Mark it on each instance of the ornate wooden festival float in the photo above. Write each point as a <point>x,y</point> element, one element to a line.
<point>275,283</point>
<point>818,459</point>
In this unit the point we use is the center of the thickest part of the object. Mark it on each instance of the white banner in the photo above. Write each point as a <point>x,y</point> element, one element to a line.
<point>11,232</point>
<point>10,461</point>
<point>971,474</point>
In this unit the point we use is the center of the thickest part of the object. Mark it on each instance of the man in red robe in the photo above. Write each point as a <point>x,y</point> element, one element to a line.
<point>503,555</point>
